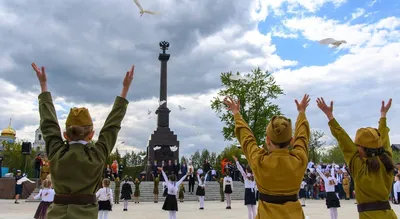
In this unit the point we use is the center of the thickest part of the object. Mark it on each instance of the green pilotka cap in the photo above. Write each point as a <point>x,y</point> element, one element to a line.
<point>79,117</point>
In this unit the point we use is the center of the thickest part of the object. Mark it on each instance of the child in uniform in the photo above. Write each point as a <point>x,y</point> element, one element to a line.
<point>249,193</point>
<point>201,189</point>
<point>136,194</point>
<point>181,192</point>
<point>221,187</point>
<point>228,188</point>
<point>105,199</point>
<point>170,203</point>
<point>155,189</point>
<point>117,190</point>
<point>126,193</point>
<point>302,193</point>
<point>47,196</point>
<point>77,164</point>
<point>332,201</point>
<point>369,158</point>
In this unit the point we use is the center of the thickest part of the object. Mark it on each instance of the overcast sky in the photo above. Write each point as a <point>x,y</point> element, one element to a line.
<point>87,46</point>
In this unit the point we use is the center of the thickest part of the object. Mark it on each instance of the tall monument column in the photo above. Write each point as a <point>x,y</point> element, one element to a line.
<point>163,144</point>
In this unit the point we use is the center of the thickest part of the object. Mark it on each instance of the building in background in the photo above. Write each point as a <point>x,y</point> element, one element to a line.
<point>39,143</point>
<point>7,135</point>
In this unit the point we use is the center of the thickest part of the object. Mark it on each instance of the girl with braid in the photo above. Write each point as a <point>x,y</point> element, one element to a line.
<point>369,158</point>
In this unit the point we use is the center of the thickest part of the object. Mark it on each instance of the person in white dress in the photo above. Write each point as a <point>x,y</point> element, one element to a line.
<point>228,188</point>
<point>201,189</point>
<point>46,194</point>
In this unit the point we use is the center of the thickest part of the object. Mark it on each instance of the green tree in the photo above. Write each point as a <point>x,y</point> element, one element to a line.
<point>184,160</point>
<point>229,152</point>
<point>205,155</point>
<point>315,145</point>
<point>255,100</point>
<point>196,160</point>
<point>396,156</point>
<point>213,159</point>
<point>333,155</point>
<point>15,160</point>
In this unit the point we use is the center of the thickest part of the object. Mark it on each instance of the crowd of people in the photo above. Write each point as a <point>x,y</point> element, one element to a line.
<point>78,162</point>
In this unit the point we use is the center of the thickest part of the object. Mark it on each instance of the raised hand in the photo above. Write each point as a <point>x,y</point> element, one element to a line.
<point>385,108</point>
<point>235,158</point>
<point>302,106</point>
<point>127,81</point>
<point>160,168</point>
<point>328,110</point>
<point>41,75</point>
<point>232,105</point>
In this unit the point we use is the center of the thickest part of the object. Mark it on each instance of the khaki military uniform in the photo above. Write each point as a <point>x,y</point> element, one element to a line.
<point>271,168</point>
<point>370,187</point>
<point>77,168</point>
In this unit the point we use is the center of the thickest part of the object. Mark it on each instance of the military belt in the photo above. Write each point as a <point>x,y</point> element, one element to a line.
<point>374,206</point>
<point>277,199</point>
<point>74,199</point>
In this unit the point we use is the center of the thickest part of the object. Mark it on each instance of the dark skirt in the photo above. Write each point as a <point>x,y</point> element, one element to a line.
<point>126,196</point>
<point>105,205</point>
<point>18,189</point>
<point>228,189</point>
<point>302,193</point>
<point>332,200</point>
<point>200,191</point>
<point>249,197</point>
<point>41,211</point>
<point>170,203</point>
<point>257,195</point>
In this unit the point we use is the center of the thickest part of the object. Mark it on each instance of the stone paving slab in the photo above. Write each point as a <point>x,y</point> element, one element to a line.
<point>315,209</point>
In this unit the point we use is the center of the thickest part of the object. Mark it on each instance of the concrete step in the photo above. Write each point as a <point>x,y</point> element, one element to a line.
<point>146,192</point>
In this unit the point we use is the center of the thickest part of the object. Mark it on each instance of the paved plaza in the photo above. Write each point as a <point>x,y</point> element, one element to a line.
<point>188,210</point>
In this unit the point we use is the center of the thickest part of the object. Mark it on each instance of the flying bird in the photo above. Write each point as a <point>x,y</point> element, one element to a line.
<point>24,179</point>
<point>181,107</point>
<point>240,77</point>
<point>142,11</point>
<point>191,145</point>
<point>173,148</point>
<point>156,148</point>
<point>142,156</point>
<point>162,102</point>
<point>331,41</point>
<point>148,112</point>
<point>243,157</point>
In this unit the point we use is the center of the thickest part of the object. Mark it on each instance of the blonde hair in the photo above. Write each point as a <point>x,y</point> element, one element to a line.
<point>77,133</point>
<point>46,184</point>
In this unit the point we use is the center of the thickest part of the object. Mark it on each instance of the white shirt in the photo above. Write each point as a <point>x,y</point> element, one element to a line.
<point>200,171</point>
<point>303,184</point>
<point>173,187</point>
<point>328,186</point>
<point>213,172</point>
<point>248,184</point>
<point>46,194</point>
<point>227,181</point>
<point>396,189</point>
<point>105,194</point>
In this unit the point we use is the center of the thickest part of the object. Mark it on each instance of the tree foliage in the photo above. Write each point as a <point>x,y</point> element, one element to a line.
<point>333,155</point>
<point>255,100</point>
<point>230,151</point>
<point>315,145</point>
<point>15,160</point>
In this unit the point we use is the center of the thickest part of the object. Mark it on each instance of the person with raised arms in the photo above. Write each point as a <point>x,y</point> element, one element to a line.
<point>369,158</point>
<point>277,189</point>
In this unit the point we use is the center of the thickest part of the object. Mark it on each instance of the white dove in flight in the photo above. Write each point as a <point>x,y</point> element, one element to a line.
<point>148,112</point>
<point>173,148</point>
<point>142,11</point>
<point>243,157</point>
<point>191,145</point>
<point>181,107</point>
<point>240,77</point>
<point>24,179</point>
<point>142,156</point>
<point>335,43</point>
<point>162,102</point>
<point>156,148</point>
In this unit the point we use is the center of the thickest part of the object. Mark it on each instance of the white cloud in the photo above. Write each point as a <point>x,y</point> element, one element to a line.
<point>358,13</point>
